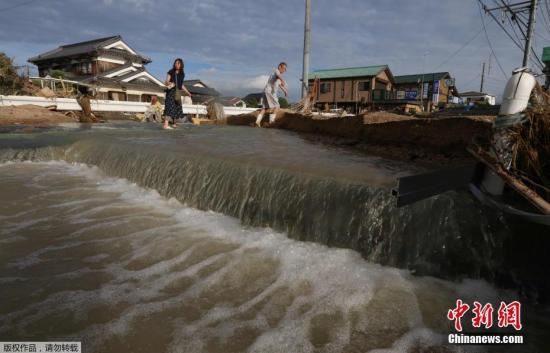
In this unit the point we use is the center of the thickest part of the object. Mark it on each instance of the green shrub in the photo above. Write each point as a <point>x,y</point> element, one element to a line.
<point>10,82</point>
<point>283,102</point>
<point>57,73</point>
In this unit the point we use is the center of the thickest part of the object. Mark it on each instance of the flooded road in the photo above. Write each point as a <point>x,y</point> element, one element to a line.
<point>128,240</point>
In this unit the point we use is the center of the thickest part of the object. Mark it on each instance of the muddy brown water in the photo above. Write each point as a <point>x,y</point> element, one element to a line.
<point>98,244</point>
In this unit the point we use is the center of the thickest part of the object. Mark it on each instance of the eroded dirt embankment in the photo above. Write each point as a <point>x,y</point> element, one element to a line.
<point>32,115</point>
<point>439,140</point>
<point>390,135</point>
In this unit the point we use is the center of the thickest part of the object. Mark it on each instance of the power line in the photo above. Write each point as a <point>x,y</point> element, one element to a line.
<point>547,12</point>
<point>499,24</point>
<point>543,11</point>
<point>541,65</point>
<point>495,79</point>
<point>544,15</point>
<point>477,76</point>
<point>517,16</point>
<point>514,28</point>
<point>489,42</point>
<point>516,13</point>
<point>462,47</point>
<point>17,5</point>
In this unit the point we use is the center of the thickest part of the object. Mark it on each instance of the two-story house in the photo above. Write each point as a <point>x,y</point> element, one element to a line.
<point>110,64</point>
<point>353,88</point>
<point>432,89</point>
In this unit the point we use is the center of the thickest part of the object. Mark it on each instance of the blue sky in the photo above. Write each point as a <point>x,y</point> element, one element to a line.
<point>234,45</point>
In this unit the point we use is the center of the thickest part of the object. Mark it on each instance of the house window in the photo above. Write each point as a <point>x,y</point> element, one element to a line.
<point>343,91</point>
<point>117,96</point>
<point>85,68</point>
<point>325,87</point>
<point>364,86</point>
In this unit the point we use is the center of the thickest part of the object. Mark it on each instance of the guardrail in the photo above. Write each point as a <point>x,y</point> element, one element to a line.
<point>65,104</point>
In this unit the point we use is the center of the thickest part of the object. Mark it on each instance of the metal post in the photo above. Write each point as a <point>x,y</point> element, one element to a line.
<point>482,77</point>
<point>307,34</point>
<point>422,82</point>
<point>422,92</point>
<point>532,13</point>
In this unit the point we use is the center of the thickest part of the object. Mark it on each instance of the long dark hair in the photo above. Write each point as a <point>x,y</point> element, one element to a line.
<point>174,70</point>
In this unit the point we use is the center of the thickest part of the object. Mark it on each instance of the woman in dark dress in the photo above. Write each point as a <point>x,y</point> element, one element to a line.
<point>174,79</point>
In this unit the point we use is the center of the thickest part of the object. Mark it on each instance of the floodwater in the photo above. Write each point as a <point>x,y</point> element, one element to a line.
<point>220,241</point>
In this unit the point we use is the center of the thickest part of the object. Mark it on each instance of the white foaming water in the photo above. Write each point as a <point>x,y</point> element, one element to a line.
<point>120,266</point>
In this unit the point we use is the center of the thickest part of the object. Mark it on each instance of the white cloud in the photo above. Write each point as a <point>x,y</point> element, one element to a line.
<point>244,40</point>
<point>210,70</point>
<point>229,83</point>
<point>255,83</point>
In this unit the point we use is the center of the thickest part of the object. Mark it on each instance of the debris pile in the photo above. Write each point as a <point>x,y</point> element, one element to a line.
<point>214,111</point>
<point>531,146</point>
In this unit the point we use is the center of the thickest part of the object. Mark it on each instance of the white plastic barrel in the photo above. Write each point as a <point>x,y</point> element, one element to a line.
<point>514,100</point>
<point>517,92</point>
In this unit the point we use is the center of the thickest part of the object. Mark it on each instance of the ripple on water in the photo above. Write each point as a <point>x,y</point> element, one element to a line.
<point>147,274</point>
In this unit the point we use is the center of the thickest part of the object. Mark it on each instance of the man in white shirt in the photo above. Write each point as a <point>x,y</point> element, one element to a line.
<point>270,101</point>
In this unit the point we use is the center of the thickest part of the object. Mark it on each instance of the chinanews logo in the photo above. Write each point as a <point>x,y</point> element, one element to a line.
<point>508,317</point>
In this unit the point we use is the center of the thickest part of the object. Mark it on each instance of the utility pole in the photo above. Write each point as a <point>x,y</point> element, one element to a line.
<point>482,77</point>
<point>531,27</point>
<point>515,12</point>
<point>307,35</point>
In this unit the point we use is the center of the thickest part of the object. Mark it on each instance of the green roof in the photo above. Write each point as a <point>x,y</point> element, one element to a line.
<point>348,72</point>
<point>430,76</point>
<point>546,54</point>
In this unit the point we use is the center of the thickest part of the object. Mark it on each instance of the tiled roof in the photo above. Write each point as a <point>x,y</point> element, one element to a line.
<point>202,91</point>
<point>75,49</point>
<point>88,47</point>
<point>194,82</point>
<point>130,74</point>
<point>118,68</point>
<point>427,77</point>
<point>474,93</point>
<point>112,83</point>
<point>348,72</point>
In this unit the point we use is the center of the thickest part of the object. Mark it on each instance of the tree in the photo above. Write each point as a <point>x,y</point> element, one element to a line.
<point>252,102</point>
<point>283,102</point>
<point>10,82</point>
<point>57,73</point>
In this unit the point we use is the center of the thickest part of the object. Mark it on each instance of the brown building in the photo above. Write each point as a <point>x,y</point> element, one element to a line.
<point>353,88</point>
<point>109,63</point>
<point>431,89</point>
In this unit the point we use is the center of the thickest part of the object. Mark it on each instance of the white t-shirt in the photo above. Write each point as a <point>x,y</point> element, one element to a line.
<point>272,86</point>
